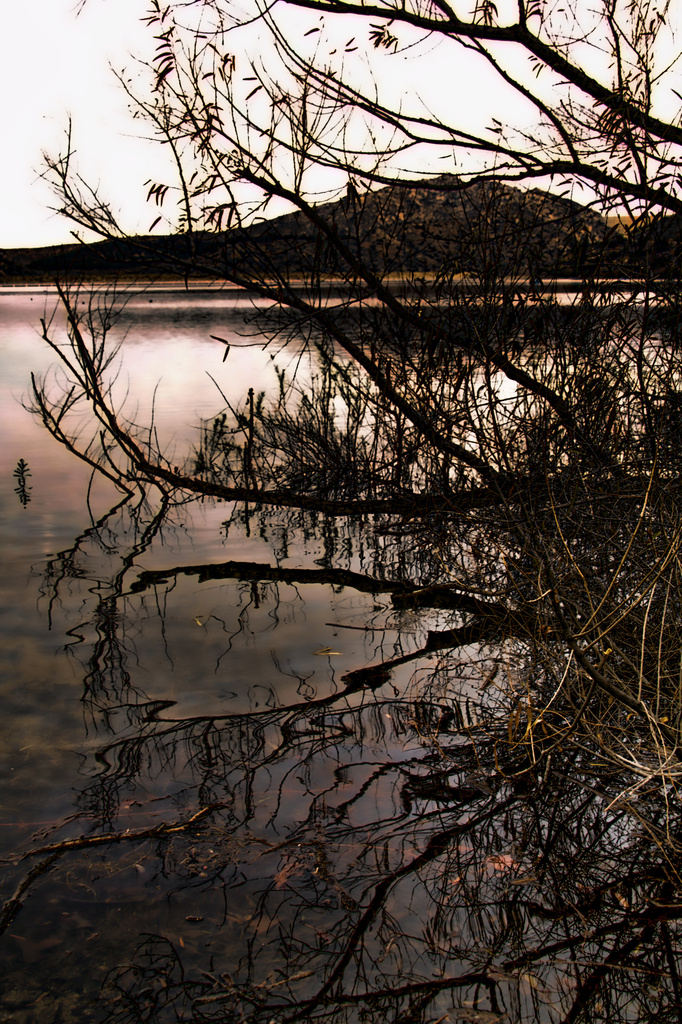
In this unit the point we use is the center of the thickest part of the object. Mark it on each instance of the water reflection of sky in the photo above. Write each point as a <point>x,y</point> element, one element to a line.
<point>81,672</point>
<point>368,829</point>
<point>214,648</point>
<point>161,342</point>
<point>168,363</point>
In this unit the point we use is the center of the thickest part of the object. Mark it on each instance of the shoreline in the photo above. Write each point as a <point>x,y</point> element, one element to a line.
<point>545,286</point>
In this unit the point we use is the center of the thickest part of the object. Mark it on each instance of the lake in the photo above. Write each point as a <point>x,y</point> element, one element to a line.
<point>213,809</point>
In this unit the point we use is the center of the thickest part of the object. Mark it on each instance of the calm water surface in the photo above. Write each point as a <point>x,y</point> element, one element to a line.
<point>204,817</point>
<point>88,665</point>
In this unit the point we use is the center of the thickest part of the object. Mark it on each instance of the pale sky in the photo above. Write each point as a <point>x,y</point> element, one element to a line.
<point>55,60</point>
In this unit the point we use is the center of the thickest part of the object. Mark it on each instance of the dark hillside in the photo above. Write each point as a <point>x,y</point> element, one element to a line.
<point>430,228</point>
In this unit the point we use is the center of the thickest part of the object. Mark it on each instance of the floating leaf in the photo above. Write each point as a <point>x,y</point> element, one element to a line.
<point>282,876</point>
<point>534,983</point>
<point>501,861</point>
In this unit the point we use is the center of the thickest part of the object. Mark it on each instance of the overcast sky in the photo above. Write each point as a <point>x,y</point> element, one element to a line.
<point>55,62</point>
<point>56,58</point>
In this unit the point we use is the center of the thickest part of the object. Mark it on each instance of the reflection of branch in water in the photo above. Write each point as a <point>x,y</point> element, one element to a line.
<point>56,850</point>
<point>571,843</point>
<point>436,847</point>
<point>405,594</point>
<point>396,838</point>
<point>260,571</point>
<point>383,855</point>
<point>491,619</point>
<point>451,915</point>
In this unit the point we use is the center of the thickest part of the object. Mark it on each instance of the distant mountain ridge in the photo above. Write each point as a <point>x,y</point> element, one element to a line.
<point>431,227</point>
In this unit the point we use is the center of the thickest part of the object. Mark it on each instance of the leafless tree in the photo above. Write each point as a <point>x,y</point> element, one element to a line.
<point>525,450</point>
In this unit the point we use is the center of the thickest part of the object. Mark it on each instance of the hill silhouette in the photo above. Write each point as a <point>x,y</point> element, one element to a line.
<point>430,227</point>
